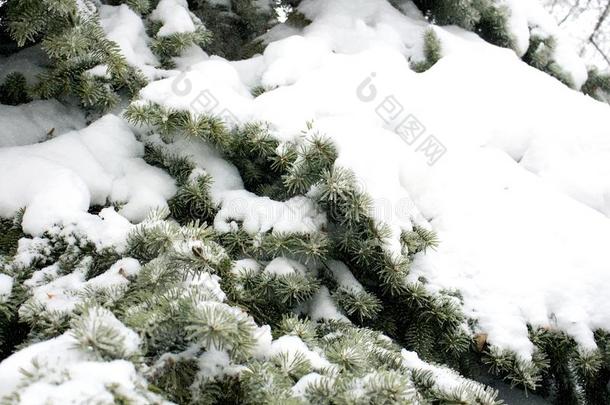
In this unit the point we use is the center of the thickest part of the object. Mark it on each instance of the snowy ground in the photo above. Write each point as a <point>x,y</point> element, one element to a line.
<point>509,166</point>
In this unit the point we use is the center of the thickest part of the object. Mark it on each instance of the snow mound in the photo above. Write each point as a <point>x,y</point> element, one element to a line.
<point>57,180</point>
<point>512,173</point>
<point>123,26</point>
<point>36,121</point>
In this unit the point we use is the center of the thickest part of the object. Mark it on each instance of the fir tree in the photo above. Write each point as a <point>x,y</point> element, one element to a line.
<point>193,322</point>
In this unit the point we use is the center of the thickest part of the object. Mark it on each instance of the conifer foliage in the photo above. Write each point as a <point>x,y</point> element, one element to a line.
<point>83,62</point>
<point>198,306</point>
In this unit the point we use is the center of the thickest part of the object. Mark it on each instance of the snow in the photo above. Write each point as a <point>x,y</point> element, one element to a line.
<point>210,87</point>
<point>299,389</point>
<point>70,376</point>
<point>291,346</point>
<point>281,266</point>
<point>59,179</point>
<point>29,62</point>
<point>62,294</point>
<point>527,16</point>
<point>211,283</point>
<point>96,317</point>
<point>519,196</point>
<point>82,387</point>
<point>258,214</point>
<point>175,16</point>
<point>36,121</point>
<point>445,379</point>
<point>261,214</point>
<point>59,295</point>
<point>522,176</point>
<point>31,249</point>
<point>322,307</point>
<point>245,266</point>
<point>343,276</point>
<point>6,286</point>
<point>117,274</point>
<point>287,60</point>
<point>123,26</point>
<point>213,362</point>
<point>59,350</point>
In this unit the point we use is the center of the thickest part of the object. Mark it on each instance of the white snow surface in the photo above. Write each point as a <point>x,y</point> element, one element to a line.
<point>6,286</point>
<point>322,307</point>
<point>292,346</point>
<point>123,26</point>
<point>72,377</point>
<point>175,16</point>
<point>29,62</point>
<point>62,294</point>
<point>527,16</point>
<point>281,266</point>
<point>518,191</point>
<point>57,180</point>
<point>257,214</point>
<point>516,180</point>
<point>36,121</point>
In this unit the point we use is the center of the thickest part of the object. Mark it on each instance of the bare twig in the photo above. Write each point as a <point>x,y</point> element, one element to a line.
<point>600,50</point>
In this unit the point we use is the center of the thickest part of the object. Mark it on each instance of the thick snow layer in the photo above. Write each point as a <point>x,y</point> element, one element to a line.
<point>526,16</point>
<point>59,350</point>
<point>259,214</point>
<point>123,26</point>
<point>507,164</point>
<point>71,377</point>
<point>36,121</point>
<point>175,16</point>
<point>59,179</point>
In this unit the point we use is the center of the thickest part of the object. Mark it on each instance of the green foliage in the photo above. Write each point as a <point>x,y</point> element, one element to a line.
<point>173,375</point>
<point>166,47</point>
<point>74,43</point>
<point>359,304</point>
<point>487,18</point>
<point>432,52</point>
<point>96,331</point>
<point>315,156</point>
<point>14,90</point>
<point>180,168</point>
<point>220,327</point>
<point>297,19</point>
<point>152,237</point>
<point>10,233</point>
<point>540,55</point>
<point>139,6</point>
<point>597,85</point>
<point>419,239</point>
<point>192,201</point>
<point>236,26</point>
